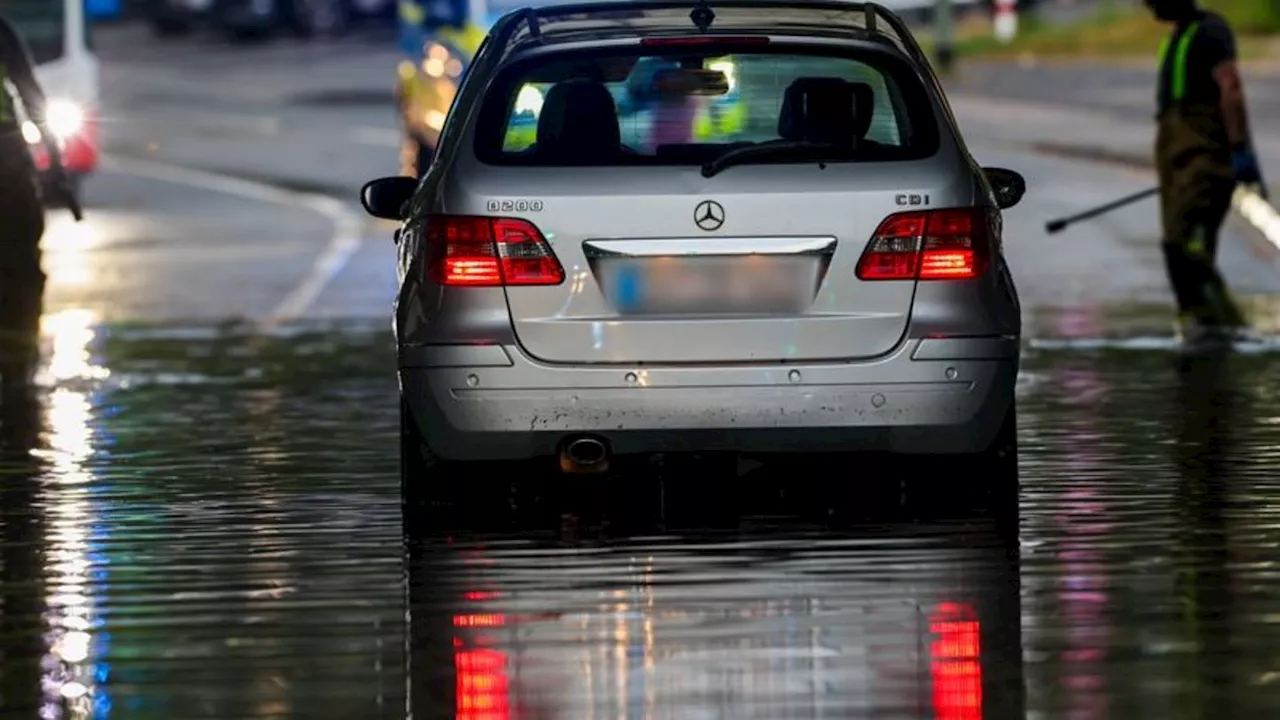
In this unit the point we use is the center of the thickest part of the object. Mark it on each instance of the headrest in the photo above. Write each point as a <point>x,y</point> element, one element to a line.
<point>578,122</point>
<point>826,110</point>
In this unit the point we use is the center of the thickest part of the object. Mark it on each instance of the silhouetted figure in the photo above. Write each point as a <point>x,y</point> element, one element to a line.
<point>1203,149</point>
<point>21,205</point>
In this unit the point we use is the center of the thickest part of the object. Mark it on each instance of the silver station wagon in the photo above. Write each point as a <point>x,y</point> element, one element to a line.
<point>715,229</point>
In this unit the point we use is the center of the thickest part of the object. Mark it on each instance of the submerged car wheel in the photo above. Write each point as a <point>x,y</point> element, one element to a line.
<point>427,483</point>
<point>998,492</point>
<point>986,481</point>
<point>462,494</point>
<point>415,462</point>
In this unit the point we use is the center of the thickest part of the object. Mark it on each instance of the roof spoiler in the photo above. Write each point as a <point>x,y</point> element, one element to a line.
<point>874,16</point>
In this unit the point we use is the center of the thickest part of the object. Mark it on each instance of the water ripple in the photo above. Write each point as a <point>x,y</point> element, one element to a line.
<point>204,522</point>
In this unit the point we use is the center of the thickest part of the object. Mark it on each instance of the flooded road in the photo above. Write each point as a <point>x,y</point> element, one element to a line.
<point>200,522</point>
<point>197,521</point>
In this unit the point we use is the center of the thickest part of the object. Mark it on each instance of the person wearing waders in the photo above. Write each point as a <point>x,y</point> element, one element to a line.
<point>1203,150</point>
<point>21,208</point>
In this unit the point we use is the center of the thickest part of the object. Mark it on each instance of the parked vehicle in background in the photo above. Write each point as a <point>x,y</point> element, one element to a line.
<point>59,36</point>
<point>437,38</point>
<point>170,18</point>
<point>584,273</point>
<point>253,19</point>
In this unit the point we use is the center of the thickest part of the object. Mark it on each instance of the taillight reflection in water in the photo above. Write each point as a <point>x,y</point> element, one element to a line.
<point>482,684</point>
<point>482,692</point>
<point>786,625</point>
<point>956,663</point>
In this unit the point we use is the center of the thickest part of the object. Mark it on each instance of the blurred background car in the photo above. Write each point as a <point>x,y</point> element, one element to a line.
<point>254,19</point>
<point>57,32</point>
<point>437,39</point>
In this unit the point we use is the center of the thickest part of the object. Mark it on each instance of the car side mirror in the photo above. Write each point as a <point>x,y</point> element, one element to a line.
<point>385,198</point>
<point>1009,186</point>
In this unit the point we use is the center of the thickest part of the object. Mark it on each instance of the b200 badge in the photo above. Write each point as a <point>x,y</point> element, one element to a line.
<point>515,206</point>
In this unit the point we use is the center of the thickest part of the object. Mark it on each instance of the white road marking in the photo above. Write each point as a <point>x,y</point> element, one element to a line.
<point>381,137</point>
<point>347,236</point>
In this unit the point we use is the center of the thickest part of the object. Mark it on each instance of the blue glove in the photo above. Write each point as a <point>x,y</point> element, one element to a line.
<point>1245,166</point>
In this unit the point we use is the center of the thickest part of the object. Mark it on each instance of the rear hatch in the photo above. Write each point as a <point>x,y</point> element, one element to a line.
<point>755,263</point>
<point>774,281</point>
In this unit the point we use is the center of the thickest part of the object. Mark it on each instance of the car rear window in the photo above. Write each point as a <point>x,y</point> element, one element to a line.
<point>638,107</point>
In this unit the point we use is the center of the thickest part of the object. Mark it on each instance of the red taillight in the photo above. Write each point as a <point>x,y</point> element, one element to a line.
<point>487,251</point>
<point>949,244</point>
<point>687,40</point>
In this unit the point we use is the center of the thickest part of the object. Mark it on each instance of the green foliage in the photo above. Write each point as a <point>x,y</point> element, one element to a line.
<point>1118,29</point>
<point>1249,17</point>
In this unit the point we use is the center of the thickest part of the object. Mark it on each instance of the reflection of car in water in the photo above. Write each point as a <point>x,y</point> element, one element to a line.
<point>762,627</point>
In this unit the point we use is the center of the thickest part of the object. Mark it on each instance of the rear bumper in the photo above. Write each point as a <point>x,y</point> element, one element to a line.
<point>929,396</point>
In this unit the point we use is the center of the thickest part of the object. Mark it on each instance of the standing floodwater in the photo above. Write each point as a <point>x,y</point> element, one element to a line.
<point>199,523</point>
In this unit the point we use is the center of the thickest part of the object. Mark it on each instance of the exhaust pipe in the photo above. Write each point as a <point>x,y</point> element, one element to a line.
<point>584,455</point>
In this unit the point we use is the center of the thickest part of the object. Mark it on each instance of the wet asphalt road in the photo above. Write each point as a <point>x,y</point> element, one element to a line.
<point>199,514</point>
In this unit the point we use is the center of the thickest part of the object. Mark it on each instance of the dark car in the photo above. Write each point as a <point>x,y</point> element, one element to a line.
<point>249,19</point>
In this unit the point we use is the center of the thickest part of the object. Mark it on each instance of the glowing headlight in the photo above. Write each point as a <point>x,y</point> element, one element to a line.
<point>64,118</point>
<point>30,132</point>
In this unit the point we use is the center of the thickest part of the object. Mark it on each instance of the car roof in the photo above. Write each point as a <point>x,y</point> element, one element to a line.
<point>617,19</point>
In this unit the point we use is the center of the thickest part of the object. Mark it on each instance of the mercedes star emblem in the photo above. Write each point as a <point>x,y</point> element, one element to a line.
<point>709,215</point>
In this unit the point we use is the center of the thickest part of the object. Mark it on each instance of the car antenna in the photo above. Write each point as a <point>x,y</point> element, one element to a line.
<point>702,16</point>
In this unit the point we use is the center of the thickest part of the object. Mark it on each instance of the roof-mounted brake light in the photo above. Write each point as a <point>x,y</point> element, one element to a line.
<point>694,40</point>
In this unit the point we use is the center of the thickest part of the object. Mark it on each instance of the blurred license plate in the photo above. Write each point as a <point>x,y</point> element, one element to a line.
<point>700,285</point>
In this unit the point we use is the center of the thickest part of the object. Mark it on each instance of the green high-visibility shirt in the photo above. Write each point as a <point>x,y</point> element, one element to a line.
<point>1188,58</point>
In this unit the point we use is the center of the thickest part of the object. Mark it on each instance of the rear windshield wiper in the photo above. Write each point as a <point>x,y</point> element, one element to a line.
<point>801,149</point>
